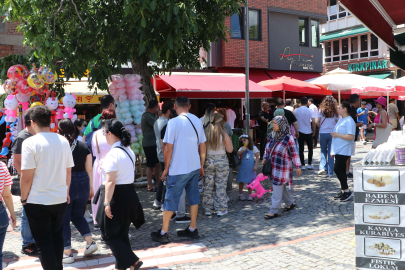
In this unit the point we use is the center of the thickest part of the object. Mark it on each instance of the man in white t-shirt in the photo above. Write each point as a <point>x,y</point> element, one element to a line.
<point>184,157</point>
<point>231,116</point>
<point>46,163</point>
<point>288,105</point>
<point>314,109</point>
<point>306,128</point>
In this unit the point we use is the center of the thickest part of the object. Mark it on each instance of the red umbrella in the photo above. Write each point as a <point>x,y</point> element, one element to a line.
<point>294,87</point>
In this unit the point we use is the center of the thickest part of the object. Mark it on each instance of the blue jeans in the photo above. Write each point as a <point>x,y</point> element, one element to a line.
<point>3,229</point>
<point>174,188</point>
<point>25,230</point>
<point>79,195</point>
<point>326,143</point>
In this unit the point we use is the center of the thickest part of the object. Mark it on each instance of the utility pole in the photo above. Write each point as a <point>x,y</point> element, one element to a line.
<point>247,107</point>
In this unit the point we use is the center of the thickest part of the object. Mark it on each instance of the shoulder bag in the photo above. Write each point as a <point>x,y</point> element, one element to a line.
<point>198,139</point>
<point>234,159</point>
<point>382,134</point>
<point>268,167</point>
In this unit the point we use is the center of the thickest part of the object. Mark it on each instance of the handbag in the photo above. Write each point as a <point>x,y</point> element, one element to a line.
<point>268,168</point>
<point>382,134</point>
<point>234,159</point>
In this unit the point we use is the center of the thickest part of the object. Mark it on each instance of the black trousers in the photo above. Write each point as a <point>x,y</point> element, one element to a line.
<point>305,138</point>
<point>46,227</point>
<point>263,141</point>
<point>161,190</point>
<point>340,170</point>
<point>316,137</point>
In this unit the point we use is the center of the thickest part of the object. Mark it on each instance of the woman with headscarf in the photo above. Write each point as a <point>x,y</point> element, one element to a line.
<point>281,152</point>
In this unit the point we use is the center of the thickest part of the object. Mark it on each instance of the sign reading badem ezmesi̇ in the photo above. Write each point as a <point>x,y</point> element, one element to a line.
<point>371,65</point>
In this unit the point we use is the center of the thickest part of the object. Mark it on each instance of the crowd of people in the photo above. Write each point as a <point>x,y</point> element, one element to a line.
<point>61,174</point>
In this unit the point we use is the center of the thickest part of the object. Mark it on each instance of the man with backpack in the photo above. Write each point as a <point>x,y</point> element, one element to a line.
<point>106,102</point>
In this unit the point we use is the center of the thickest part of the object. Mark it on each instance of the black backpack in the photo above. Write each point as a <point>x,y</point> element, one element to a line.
<point>89,137</point>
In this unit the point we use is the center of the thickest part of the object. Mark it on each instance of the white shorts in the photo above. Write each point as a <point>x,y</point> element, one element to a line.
<point>363,127</point>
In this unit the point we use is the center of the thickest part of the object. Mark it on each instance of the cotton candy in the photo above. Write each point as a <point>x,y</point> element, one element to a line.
<point>117,78</point>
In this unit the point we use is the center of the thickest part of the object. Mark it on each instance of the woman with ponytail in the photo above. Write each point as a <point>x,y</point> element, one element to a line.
<point>118,202</point>
<point>80,191</point>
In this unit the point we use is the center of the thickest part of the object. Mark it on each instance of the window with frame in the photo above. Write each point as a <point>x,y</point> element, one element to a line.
<point>238,22</point>
<point>336,11</point>
<point>315,33</point>
<point>302,31</point>
<point>355,47</point>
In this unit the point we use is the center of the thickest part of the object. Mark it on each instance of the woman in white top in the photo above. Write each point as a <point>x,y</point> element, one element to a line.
<point>119,205</point>
<point>326,121</point>
<point>216,167</point>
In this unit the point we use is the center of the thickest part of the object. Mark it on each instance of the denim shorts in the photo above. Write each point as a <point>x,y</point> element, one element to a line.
<point>174,188</point>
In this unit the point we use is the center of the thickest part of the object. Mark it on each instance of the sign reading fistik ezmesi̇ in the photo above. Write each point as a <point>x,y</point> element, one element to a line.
<point>379,207</point>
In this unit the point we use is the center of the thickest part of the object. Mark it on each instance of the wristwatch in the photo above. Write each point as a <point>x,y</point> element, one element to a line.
<point>106,204</point>
<point>23,201</point>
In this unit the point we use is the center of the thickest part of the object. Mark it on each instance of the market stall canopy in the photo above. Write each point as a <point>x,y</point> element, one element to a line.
<point>294,88</point>
<point>207,86</point>
<point>382,17</point>
<point>258,75</point>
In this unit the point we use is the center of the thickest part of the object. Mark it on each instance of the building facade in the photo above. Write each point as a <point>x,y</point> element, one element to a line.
<point>351,46</point>
<point>284,40</point>
<point>11,41</point>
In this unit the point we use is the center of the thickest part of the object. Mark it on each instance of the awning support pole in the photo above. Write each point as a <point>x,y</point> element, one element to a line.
<point>247,107</point>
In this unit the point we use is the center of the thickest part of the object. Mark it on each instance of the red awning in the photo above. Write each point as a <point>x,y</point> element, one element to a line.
<point>208,86</point>
<point>293,87</point>
<point>259,75</point>
<point>380,17</point>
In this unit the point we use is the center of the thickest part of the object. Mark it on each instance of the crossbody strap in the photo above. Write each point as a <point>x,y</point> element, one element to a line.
<point>98,148</point>
<point>127,154</point>
<point>198,139</point>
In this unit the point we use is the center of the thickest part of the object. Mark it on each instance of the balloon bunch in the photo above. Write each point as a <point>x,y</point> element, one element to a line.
<point>130,106</point>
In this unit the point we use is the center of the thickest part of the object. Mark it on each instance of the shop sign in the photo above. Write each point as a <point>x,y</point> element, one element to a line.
<point>87,99</point>
<point>371,65</point>
<point>379,207</point>
<point>299,60</point>
<point>86,74</point>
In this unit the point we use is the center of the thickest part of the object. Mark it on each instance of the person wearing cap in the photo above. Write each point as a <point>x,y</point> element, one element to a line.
<point>381,119</point>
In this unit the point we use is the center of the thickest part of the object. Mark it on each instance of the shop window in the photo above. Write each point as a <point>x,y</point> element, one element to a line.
<point>302,29</point>
<point>335,10</point>
<point>342,12</point>
<point>345,57</point>
<point>345,46</point>
<point>328,51</point>
<point>363,43</point>
<point>315,33</point>
<point>237,22</point>
<point>254,25</point>
<point>336,50</point>
<point>373,45</point>
<point>354,44</point>
<point>363,54</point>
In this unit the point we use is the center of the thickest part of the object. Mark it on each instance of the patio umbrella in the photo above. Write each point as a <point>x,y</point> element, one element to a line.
<point>339,80</point>
<point>294,87</point>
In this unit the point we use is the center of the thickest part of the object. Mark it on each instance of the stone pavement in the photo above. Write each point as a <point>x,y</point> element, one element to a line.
<point>318,234</point>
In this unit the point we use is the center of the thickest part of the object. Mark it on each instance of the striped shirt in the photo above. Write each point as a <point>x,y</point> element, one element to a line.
<point>5,179</point>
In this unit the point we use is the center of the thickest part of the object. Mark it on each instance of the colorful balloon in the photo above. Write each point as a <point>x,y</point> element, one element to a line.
<point>35,80</point>
<point>24,88</point>
<point>17,72</point>
<point>42,90</point>
<point>36,104</point>
<point>49,76</point>
<point>10,86</point>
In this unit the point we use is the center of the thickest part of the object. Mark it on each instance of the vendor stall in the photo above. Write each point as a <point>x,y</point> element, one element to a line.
<point>379,192</point>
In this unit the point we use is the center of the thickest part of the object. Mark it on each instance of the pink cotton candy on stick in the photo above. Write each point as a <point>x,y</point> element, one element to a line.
<point>137,78</point>
<point>130,77</point>
<point>120,85</point>
<point>117,78</point>
<point>122,98</point>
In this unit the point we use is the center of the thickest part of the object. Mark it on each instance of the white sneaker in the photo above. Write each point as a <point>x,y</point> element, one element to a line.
<point>157,204</point>
<point>303,168</point>
<point>364,142</point>
<point>250,198</point>
<point>88,216</point>
<point>322,172</point>
<point>241,197</point>
<point>208,213</point>
<point>91,248</point>
<point>222,213</point>
<point>162,209</point>
<point>68,258</point>
<point>310,167</point>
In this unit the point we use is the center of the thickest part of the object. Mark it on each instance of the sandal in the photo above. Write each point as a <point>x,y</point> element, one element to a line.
<point>138,265</point>
<point>292,206</point>
<point>152,190</point>
<point>270,217</point>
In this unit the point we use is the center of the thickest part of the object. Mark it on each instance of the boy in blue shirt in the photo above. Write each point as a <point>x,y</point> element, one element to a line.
<point>362,116</point>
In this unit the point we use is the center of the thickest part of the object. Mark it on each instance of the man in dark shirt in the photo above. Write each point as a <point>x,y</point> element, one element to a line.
<point>28,243</point>
<point>354,102</point>
<point>263,124</point>
<point>292,120</point>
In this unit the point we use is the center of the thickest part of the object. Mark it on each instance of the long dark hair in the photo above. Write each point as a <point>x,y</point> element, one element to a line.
<point>78,123</point>
<point>66,129</point>
<point>117,128</point>
<point>328,107</point>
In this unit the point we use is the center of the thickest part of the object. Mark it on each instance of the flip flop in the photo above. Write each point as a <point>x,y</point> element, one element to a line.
<point>290,208</point>
<point>152,190</point>
<point>270,217</point>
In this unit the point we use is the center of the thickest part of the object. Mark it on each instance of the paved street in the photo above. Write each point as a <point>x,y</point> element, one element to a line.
<point>319,234</point>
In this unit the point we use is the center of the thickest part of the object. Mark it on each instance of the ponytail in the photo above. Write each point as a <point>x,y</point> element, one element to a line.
<point>66,129</point>
<point>117,128</point>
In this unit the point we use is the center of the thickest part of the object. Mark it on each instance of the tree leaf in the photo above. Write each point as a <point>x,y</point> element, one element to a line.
<point>143,22</point>
<point>176,10</point>
<point>153,5</point>
<point>169,17</point>
<point>141,48</point>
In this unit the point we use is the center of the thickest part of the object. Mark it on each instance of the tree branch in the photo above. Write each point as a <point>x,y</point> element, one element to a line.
<point>78,13</point>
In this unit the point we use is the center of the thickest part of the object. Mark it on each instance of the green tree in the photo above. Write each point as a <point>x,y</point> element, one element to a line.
<point>101,35</point>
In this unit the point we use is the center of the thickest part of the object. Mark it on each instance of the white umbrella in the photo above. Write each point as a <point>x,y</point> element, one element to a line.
<point>339,80</point>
